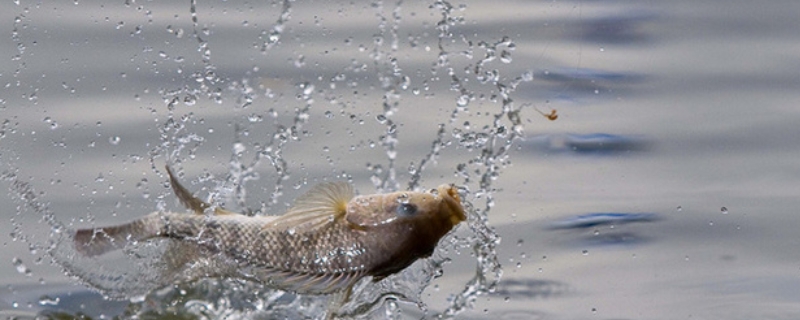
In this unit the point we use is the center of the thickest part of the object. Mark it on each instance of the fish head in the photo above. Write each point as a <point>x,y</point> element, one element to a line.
<point>439,208</point>
<point>401,227</point>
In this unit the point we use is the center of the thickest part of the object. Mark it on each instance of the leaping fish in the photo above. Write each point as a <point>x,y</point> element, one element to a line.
<point>326,242</point>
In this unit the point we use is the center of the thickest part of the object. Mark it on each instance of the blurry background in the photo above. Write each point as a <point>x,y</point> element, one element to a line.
<point>666,188</point>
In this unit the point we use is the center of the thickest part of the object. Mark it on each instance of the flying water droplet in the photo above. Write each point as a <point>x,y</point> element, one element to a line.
<point>20,266</point>
<point>505,56</point>
<point>255,118</point>
<point>527,76</point>
<point>300,61</point>
<point>53,124</point>
<point>46,300</point>
<point>238,148</point>
<point>463,100</point>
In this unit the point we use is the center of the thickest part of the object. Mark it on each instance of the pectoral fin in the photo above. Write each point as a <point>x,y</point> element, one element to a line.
<point>322,283</point>
<point>322,205</point>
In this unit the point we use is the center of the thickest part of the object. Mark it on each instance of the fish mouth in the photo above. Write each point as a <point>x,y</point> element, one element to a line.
<point>452,203</point>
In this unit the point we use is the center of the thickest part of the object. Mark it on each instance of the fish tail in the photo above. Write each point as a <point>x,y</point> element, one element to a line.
<point>97,241</point>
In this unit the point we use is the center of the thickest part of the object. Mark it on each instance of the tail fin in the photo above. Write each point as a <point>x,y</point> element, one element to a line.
<point>97,241</point>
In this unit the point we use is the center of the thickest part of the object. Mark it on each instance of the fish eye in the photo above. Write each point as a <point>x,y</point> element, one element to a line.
<point>406,209</point>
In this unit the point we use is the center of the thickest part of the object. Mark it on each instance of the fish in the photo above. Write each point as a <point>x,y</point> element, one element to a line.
<point>325,243</point>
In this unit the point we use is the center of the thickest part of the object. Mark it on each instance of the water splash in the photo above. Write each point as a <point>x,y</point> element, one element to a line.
<point>493,144</point>
<point>487,147</point>
<point>274,35</point>
<point>393,82</point>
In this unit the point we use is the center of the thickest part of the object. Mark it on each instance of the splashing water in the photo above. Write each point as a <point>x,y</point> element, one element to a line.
<point>480,148</point>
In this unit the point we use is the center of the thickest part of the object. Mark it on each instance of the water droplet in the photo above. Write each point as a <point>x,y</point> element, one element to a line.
<point>724,210</point>
<point>190,100</point>
<point>254,118</point>
<point>300,61</point>
<point>679,208</point>
<point>527,76</point>
<point>53,123</point>
<point>238,148</point>
<point>308,88</point>
<point>114,140</point>
<point>463,100</point>
<point>46,300</point>
<point>505,56</point>
<point>299,184</point>
<point>585,252</point>
<point>20,266</point>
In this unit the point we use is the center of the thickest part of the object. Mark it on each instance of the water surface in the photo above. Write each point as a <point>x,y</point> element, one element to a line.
<point>685,111</point>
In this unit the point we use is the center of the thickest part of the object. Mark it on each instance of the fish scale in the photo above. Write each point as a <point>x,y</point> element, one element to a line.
<point>277,252</point>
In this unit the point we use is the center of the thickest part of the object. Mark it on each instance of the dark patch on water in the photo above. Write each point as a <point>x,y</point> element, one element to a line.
<point>588,144</point>
<point>594,76</point>
<point>532,289</point>
<point>604,229</point>
<point>600,219</point>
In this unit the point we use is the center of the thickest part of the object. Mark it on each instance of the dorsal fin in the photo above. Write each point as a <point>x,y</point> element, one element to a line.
<point>321,205</point>
<point>187,199</point>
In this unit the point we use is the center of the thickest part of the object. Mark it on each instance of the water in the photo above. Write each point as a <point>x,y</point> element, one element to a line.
<point>681,111</point>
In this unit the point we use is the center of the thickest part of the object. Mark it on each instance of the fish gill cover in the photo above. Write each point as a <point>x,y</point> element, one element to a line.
<point>358,104</point>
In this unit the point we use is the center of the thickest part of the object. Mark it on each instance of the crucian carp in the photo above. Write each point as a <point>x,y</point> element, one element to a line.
<point>326,242</point>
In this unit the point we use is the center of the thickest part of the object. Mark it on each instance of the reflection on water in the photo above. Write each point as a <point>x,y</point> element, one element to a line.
<point>602,219</point>
<point>532,289</point>
<point>667,113</point>
<point>587,144</point>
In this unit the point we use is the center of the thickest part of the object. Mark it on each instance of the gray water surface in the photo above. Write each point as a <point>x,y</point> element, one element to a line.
<point>685,112</point>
